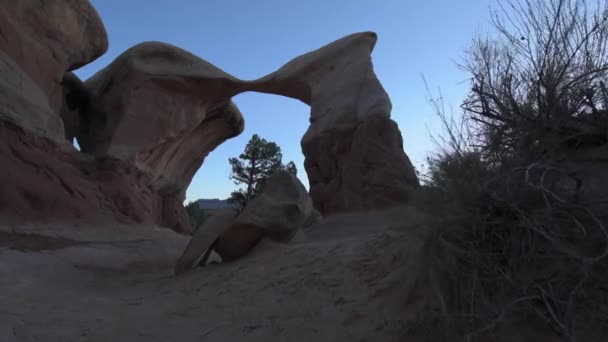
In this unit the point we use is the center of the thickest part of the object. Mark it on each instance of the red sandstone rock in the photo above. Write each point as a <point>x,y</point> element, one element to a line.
<point>42,180</point>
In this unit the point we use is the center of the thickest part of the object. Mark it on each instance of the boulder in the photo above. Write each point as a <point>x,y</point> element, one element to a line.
<point>202,242</point>
<point>39,42</point>
<point>279,211</point>
<point>162,109</point>
<point>237,241</point>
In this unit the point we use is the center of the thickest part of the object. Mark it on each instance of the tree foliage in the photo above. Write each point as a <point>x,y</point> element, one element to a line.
<point>196,214</point>
<point>254,167</point>
<point>291,168</point>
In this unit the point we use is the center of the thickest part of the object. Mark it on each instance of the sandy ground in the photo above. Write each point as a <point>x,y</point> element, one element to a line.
<point>347,278</point>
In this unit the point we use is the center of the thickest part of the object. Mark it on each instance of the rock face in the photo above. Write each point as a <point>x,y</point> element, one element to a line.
<point>39,42</point>
<point>41,180</point>
<point>278,212</point>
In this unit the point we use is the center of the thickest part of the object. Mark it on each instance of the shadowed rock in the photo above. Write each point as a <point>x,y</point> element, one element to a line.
<point>203,239</point>
<point>76,102</point>
<point>278,212</point>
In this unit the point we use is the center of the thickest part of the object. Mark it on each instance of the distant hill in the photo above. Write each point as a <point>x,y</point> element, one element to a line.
<point>212,204</point>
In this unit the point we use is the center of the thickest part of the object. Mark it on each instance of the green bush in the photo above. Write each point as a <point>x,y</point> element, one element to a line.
<point>196,214</point>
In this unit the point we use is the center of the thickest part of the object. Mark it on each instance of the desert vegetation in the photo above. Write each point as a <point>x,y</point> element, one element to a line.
<point>521,238</point>
<point>254,167</point>
<point>196,215</point>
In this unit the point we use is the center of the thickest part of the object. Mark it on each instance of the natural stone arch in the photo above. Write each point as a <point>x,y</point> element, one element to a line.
<point>164,109</point>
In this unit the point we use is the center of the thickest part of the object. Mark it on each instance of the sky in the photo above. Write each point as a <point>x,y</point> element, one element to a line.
<point>417,40</point>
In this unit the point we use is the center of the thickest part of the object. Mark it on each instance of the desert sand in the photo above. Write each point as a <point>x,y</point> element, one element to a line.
<point>346,278</point>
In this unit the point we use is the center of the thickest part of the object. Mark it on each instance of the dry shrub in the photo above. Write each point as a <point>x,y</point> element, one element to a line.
<point>524,244</point>
<point>516,243</point>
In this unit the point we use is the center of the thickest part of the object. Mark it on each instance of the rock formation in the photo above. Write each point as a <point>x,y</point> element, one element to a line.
<point>353,151</point>
<point>282,207</point>
<point>146,122</point>
<point>39,42</point>
<point>43,176</point>
<point>164,110</point>
<point>278,212</point>
<point>43,181</point>
<point>202,242</point>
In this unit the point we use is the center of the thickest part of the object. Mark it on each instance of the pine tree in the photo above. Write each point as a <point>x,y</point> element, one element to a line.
<point>254,167</point>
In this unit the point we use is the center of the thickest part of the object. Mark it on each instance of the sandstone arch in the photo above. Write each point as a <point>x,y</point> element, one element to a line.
<point>147,121</point>
<point>165,109</point>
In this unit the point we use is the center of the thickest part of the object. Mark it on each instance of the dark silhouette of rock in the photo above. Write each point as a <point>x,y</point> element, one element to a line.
<point>76,102</point>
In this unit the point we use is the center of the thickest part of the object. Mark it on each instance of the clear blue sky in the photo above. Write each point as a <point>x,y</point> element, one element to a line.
<point>249,39</point>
